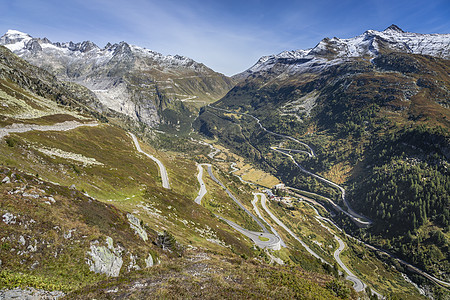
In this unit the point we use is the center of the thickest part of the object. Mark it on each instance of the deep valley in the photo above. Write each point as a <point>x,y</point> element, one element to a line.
<point>315,174</point>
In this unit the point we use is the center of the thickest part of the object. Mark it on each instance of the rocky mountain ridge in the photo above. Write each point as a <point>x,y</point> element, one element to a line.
<point>132,80</point>
<point>21,43</point>
<point>333,51</point>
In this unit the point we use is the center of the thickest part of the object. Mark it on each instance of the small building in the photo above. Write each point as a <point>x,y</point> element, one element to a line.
<point>279,186</point>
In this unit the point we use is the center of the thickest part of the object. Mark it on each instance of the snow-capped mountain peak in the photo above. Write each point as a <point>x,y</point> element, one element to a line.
<point>394,28</point>
<point>15,34</point>
<point>25,45</point>
<point>393,38</point>
<point>15,40</point>
<point>369,44</point>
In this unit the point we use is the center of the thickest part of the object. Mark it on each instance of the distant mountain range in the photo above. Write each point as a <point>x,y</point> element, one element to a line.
<point>156,89</point>
<point>142,84</point>
<point>335,50</point>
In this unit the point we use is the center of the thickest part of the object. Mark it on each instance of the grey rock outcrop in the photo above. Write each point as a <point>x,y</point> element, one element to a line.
<point>149,261</point>
<point>107,260</point>
<point>9,218</point>
<point>30,294</point>
<point>135,224</point>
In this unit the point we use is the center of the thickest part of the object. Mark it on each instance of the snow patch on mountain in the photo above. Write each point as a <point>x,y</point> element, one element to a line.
<point>393,38</point>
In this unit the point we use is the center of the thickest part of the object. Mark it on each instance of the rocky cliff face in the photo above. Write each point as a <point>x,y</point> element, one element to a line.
<point>44,84</point>
<point>128,79</point>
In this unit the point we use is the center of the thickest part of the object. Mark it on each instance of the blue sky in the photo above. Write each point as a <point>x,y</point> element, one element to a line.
<point>228,36</point>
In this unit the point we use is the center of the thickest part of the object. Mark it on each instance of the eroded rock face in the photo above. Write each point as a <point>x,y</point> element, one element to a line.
<point>106,260</point>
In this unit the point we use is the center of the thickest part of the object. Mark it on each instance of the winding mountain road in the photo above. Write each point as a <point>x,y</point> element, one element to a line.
<point>281,224</point>
<point>357,218</point>
<point>263,239</point>
<point>255,207</point>
<point>362,220</point>
<point>264,229</point>
<point>358,284</point>
<point>411,267</point>
<point>162,169</point>
<point>234,169</point>
<point>309,153</point>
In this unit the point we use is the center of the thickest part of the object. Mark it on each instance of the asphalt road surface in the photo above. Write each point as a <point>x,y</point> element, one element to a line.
<point>261,239</point>
<point>162,169</point>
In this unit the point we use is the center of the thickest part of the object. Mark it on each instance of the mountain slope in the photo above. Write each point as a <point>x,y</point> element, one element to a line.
<point>55,231</point>
<point>45,84</point>
<point>373,108</point>
<point>142,84</point>
<point>81,206</point>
